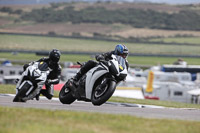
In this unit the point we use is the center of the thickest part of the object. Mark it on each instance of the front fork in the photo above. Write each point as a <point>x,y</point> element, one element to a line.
<point>73,88</point>
<point>105,81</point>
<point>19,83</point>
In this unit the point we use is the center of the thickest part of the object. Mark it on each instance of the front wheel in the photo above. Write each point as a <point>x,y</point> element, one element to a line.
<point>65,95</point>
<point>22,92</point>
<point>103,91</point>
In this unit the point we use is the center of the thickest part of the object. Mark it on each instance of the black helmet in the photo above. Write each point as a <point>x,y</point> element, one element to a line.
<point>54,55</point>
<point>122,50</point>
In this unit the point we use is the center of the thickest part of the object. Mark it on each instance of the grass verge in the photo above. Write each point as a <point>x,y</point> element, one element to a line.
<point>140,60</point>
<point>20,42</point>
<point>181,40</point>
<point>48,121</point>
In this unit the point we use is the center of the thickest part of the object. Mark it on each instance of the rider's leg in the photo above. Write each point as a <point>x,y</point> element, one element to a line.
<point>84,69</point>
<point>48,92</point>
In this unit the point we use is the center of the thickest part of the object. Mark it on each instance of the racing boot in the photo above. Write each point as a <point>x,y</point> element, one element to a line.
<point>76,78</point>
<point>48,92</point>
<point>37,97</point>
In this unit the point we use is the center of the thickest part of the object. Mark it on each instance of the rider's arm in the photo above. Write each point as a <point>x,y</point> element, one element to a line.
<point>55,80</point>
<point>104,56</point>
<point>127,64</point>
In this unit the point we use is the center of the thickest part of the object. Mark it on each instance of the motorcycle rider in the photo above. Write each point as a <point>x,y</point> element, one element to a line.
<point>120,50</point>
<point>54,75</point>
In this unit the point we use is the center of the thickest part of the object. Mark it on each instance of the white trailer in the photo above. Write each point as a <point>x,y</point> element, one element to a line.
<point>170,86</point>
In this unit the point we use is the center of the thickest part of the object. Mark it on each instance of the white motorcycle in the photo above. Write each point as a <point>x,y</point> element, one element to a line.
<point>98,84</point>
<point>31,81</point>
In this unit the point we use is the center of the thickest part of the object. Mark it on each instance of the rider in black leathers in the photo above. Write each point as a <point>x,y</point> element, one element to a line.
<point>54,75</point>
<point>120,50</point>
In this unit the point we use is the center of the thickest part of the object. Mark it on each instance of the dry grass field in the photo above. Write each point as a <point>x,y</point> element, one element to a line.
<point>46,43</point>
<point>88,29</point>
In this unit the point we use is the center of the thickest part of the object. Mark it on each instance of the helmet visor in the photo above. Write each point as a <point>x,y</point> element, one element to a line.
<point>124,55</point>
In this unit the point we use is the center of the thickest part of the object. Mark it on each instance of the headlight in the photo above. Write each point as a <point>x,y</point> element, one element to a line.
<point>121,68</point>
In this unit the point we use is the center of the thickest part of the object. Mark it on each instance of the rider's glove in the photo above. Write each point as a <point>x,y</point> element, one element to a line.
<point>100,57</point>
<point>31,63</point>
<point>53,81</point>
<point>48,81</point>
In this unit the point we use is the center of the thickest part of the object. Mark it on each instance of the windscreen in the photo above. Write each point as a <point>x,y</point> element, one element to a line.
<point>122,64</point>
<point>43,66</point>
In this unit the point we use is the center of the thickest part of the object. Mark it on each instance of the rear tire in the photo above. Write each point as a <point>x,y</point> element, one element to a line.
<point>65,95</point>
<point>105,95</point>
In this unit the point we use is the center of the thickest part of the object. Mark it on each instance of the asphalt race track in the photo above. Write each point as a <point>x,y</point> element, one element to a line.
<point>109,107</point>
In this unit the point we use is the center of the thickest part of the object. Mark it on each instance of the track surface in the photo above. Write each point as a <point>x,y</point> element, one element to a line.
<point>109,107</point>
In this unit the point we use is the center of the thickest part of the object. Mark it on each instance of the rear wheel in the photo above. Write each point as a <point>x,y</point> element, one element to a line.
<point>103,91</point>
<point>65,95</point>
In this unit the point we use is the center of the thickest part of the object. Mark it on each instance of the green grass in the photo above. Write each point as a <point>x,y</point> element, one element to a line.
<point>33,57</point>
<point>23,120</point>
<point>7,89</point>
<point>65,44</point>
<point>48,43</point>
<point>154,102</point>
<point>20,42</point>
<point>10,89</point>
<point>141,60</point>
<point>29,120</point>
<point>144,60</point>
<point>189,40</point>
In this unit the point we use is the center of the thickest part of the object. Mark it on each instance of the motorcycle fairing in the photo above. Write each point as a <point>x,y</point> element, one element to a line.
<point>92,76</point>
<point>39,76</point>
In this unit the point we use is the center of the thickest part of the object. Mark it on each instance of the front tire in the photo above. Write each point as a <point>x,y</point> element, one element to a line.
<point>17,98</point>
<point>22,93</point>
<point>65,95</point>
<point>101,95</point>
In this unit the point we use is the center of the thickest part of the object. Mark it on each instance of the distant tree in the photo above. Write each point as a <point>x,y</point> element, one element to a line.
<point>6,9</point>
<point>54,5</point>
<point>183,20</point>
<point>18,11</point>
